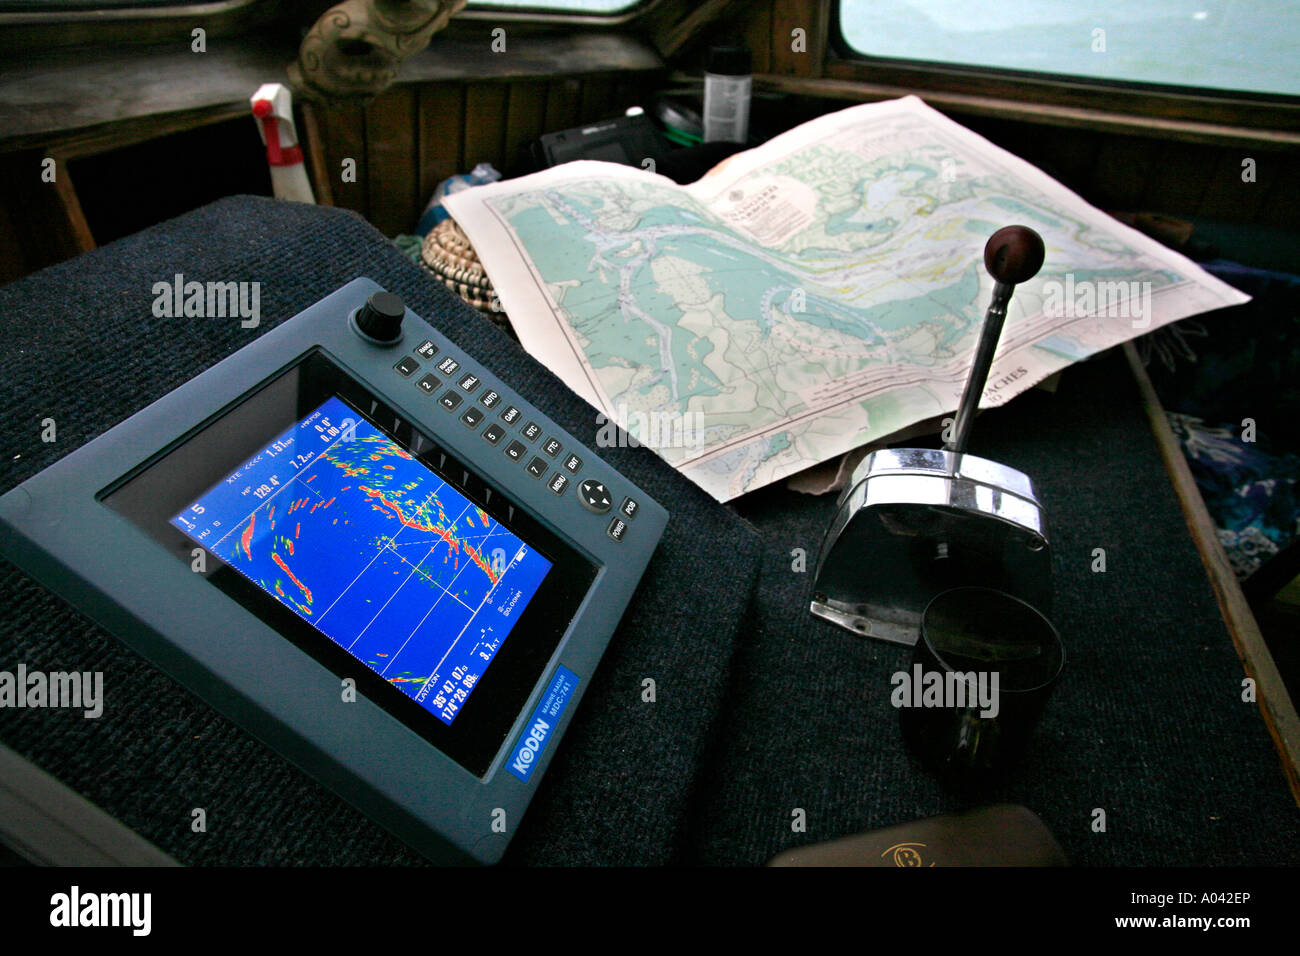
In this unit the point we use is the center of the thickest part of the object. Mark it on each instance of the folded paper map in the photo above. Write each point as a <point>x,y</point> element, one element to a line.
<point>814,294</point>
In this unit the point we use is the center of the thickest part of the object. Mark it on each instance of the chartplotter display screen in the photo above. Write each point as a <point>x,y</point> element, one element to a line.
<point>370,548</point>
<point>344,527</point>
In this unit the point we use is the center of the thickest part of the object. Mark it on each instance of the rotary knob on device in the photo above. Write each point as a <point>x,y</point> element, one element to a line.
<point>380,319</point>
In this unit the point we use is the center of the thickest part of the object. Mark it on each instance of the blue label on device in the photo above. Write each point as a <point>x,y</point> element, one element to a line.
<point>541,726</point>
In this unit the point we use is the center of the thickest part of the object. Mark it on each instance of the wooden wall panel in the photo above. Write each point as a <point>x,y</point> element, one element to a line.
<point>485,112</point>
<point>414,136</point>
<point>525,117</point>
<point>343,131</point>
<point>563,98</point>
<point>441,135</point>
<point>812,17</point>
<point>313,146</point>
<point>392,162</point>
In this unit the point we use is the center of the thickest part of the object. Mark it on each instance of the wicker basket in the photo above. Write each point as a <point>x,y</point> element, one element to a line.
<point>447,254</point>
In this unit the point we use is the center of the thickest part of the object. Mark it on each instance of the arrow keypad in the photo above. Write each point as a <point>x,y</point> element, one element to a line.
<point>595,496</point>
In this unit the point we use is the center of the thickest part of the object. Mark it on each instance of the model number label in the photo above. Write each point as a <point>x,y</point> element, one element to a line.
<point>537,732</point>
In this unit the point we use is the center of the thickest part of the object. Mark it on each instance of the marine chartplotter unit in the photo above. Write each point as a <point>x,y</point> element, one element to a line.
<point>349,537</point>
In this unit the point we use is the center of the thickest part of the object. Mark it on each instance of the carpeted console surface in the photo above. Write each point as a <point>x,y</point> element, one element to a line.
<point>86,351</point>
<point>761,709</point>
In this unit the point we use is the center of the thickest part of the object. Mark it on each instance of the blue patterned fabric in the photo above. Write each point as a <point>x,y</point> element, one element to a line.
<point>1230,384</point>
<point>1251,490</point>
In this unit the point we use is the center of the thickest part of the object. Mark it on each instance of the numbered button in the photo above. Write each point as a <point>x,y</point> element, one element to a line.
<point>537,467</point>
<point>594,496</point>
<point>472,418</point>
<point>406,366</point>
<point>515,451</point>
<point>429,384</point>
<point>493,433</point>
<point>450,401</point>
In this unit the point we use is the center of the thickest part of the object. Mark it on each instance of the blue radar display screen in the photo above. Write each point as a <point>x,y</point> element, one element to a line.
<point>343,526</point>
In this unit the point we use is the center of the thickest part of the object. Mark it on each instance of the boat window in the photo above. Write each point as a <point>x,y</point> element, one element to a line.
<point>1214,44</point>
